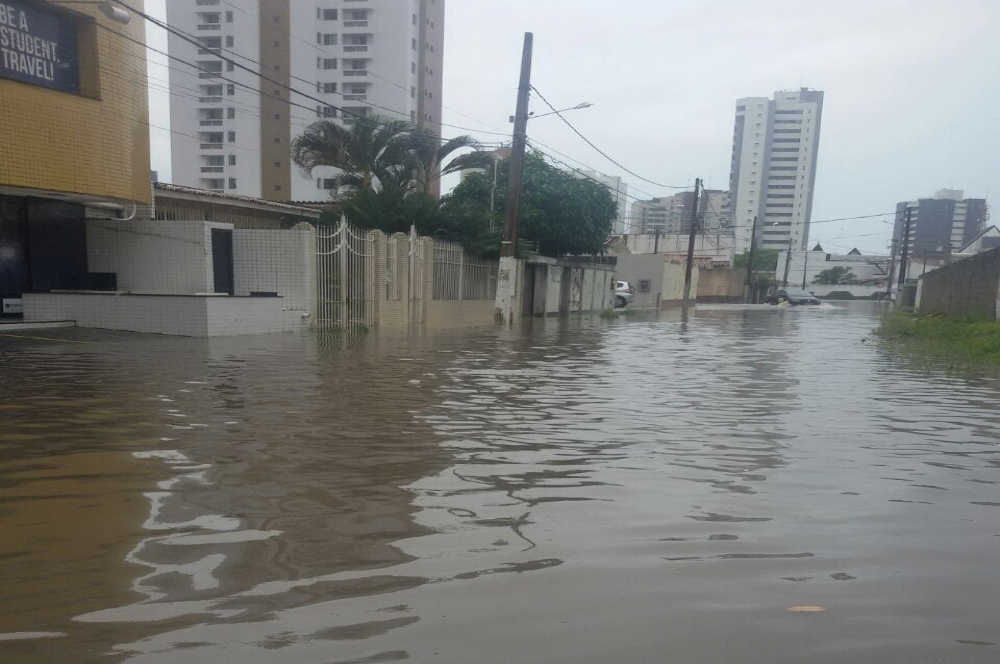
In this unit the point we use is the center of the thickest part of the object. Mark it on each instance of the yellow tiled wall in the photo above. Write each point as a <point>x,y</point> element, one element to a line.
<point>97,144</point>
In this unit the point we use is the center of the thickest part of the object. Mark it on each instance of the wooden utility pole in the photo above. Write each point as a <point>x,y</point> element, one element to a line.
<point>905,250</point>
<point>788,262</point>
<point>691,237</point>
<point>753,244</point>
<point>507,274</point>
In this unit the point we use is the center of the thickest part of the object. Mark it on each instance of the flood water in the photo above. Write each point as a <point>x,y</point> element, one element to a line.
<point>637,490</point>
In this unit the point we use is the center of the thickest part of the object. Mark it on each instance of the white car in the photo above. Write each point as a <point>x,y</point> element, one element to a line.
<point>624,294</point>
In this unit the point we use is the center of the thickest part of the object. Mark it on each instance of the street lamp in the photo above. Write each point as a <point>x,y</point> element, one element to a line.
<point>583,104</point>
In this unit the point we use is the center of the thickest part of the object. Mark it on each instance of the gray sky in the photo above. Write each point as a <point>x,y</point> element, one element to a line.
<point>912,90</point>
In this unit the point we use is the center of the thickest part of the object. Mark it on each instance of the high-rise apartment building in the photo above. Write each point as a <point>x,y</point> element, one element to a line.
<point>944,223</point>
<point>773,170</point>
<point>310,59</point>
<point>672,214</point>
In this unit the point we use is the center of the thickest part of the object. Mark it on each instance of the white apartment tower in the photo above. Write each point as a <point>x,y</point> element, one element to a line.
<point>340,58</point>
<point>773,170</point>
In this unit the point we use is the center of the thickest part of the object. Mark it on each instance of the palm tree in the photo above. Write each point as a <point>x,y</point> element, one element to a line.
<point>369,153</point>
<point>429,154</point>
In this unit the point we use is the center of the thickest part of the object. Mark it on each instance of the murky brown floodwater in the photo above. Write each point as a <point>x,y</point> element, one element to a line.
<point>627,491</point>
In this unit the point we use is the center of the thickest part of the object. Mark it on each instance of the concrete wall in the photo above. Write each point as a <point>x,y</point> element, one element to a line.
<point>672,288</point>
<point>154,256</point>
<point>969,287</point>
<point>721,285</point>
<point>182,315</point>
<point>823,290</point>
<point>635,268</point>
<point>282,262</point>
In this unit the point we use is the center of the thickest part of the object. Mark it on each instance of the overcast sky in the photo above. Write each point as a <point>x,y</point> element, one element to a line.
<point>912,90</point>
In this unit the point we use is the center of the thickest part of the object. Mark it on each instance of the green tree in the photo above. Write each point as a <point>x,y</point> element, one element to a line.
<point>764,260</point>
<point>836,275</point>
<point>429,157</point>
<point>370,153</point>
<point>560,214</point>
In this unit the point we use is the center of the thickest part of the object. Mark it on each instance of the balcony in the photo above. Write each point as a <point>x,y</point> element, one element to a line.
<point>210,50</point>
<point>355,97</point>
<point>210,74</point>
<point>211,146</point>
<point>355,48</point>
<point>355,24</point>
<point>210,100</point>
<point>212,169</point>
<point>211,123</point>
<point>355,72</point>
<point>209,26</point>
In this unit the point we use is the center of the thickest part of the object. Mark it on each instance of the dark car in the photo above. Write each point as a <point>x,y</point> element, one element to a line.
<point>792,297</point>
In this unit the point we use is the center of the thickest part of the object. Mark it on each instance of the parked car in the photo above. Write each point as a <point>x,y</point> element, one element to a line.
<point>792,297</point>
<point>624,294</point>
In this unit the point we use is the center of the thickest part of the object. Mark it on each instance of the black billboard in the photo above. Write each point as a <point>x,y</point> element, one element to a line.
<point>38,46</point>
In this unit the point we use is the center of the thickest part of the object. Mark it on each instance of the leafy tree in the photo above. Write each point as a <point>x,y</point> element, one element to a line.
<point>836,275</point>
<point>370,153</point>
<point>560,214</point>
<point>764,260</point>
<point>429,157</point>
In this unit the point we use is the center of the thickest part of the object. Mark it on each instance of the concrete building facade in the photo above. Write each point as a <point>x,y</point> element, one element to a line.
<point>672,214</point>
<point>945,223</point>
<point>309,60</point>
<point>773,168</point>
<point>74,120</point>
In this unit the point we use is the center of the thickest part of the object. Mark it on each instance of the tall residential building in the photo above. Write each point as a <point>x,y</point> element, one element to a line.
<point>341,58</point>
<point>672,214</point>
<point>773,170</point>
<point>944,223</point>
<point>619,191</point>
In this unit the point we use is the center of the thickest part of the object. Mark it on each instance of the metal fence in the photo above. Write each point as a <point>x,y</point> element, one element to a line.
<point>460,276</point>
<point>345,272</point>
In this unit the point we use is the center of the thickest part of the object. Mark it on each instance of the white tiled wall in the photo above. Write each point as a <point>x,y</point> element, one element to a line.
<point>154,256</point>
<point>256,315</point>
<point>160,314</point>
<point>282,262</point>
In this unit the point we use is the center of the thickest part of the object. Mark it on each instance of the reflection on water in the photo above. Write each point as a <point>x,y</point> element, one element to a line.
<point>582,491</point>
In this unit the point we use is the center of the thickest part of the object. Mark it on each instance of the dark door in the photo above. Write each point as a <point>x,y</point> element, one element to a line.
<point>222,260</point>
<point>13,248</point>
<point>57,246</point>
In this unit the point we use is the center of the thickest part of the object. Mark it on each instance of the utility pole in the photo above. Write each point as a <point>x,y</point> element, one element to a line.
<point>805,268</point>
<point>507,274</point>
<point>691,237</point>
<point>753,243</point>
<point>905,250</point>
<point>892,271</point>
<point>788,263</point>
<point>656,241</point>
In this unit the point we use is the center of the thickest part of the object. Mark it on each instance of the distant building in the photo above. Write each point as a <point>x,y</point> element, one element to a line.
<point>710,249</point>
<point>945,223</point>
<point>672,214</point>
<point>327,59</point>
<point>773,169</point>
<point>619,191</point>
<point>988,239</point>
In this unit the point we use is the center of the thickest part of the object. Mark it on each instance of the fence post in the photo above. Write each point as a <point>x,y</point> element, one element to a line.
<point>379,275</point>
<point>461,273</point>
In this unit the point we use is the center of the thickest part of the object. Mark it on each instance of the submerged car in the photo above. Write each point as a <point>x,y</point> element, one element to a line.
<point>792,297</point>
<point>624,293</point>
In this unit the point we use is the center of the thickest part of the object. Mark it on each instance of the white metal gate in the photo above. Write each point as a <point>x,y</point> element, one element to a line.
<point>345,273</point>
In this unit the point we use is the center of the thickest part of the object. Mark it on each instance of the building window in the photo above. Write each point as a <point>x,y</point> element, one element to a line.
<point>232,160</point>
<point>231,137</point>
<point>329,63</point>
<point>327,39</point>
<point>277,139</point>
<point>277,116</point>
<point>413,43</point>
<point>229,17</point>
<point>329,88</point>
<point>232,183</point>
<point>229,65</point>
<point>277,164</point>
<point>276,18</point>
<point>231,89</point>
<point>327,14</point>
<point>413,91</point>
<point>230,41</point>
<point>414,19</point>
<point>413,67</point>
<point>230,113</point>
<point>277,187</point>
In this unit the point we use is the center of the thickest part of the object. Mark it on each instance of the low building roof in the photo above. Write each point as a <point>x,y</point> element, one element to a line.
<point>236,200</point>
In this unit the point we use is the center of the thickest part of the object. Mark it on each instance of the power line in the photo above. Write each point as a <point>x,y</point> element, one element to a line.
<point>578,171</point>
<point>602,152</point>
